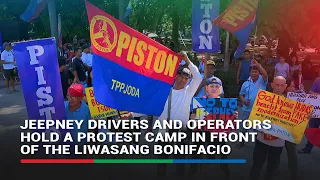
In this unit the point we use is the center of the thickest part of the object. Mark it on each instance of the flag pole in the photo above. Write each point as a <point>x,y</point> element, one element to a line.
<point>256,24</point>
<point>205,70</point>
<point>53,19</point>
<point>254,41</point>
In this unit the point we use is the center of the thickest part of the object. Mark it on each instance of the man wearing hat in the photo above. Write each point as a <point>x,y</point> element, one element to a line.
<point>210,74</point>
<point>178,103</point>
<point>8,63</point>
<point>76,109</point>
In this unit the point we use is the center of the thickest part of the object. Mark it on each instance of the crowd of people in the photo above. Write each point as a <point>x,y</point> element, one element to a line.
<point>75,65</point>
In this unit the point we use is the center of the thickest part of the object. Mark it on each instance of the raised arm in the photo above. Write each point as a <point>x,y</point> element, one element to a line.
<point>196,76</point>
<point>262,71</point>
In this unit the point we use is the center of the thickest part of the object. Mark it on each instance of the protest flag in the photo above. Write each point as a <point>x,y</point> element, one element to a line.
<point>131,71</point>
<point>239,19</point>
<point>34,9</point>
<point>205,35</point>
<point>40,79</point>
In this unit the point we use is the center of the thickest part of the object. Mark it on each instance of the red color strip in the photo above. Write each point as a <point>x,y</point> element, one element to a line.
<point>57,161</point>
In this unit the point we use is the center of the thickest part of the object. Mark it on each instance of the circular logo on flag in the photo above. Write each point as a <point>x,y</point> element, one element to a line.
<point>103,33</point>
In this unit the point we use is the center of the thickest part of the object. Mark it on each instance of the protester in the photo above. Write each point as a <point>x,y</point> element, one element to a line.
<point>214,90</point>
<point>294,65</point>
<point>76,109</point>
<point>282,68</point>
<point>180,98</point>
<point>210,74</point>
<point>291,147</point>
<point>250,88</point>
<point>71,55</point>
<point>86,57</point>
<point>87,85</point>
<point>243,69</point>
<point>201,63</point>
<point>8,63</point>
<point>269,66</point>
<point>79,69</point>
<point>268,147</point>
<point>259,58</point>
<point>64,75</point>
<point>297,80</point>
<point>314,122</point>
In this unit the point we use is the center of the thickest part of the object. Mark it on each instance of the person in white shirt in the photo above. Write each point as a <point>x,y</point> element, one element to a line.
<point>267,147</point>
<point>282,68</point>
<point>8,63</point>
<point>86,56</point>
<point>181,96</point>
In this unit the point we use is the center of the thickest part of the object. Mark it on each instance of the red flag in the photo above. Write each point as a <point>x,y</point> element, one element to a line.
<point>313,136</point>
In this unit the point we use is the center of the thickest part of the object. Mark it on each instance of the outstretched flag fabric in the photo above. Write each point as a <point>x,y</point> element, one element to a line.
<point>130,71</point>
<point>33,10</point>
<point>239,19</point>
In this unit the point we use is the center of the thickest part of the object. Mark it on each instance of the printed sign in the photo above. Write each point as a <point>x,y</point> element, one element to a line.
<point>205,35</point>
<point>215,109</point>
<point>289,118</point>
<point>311,99</point>
<point>99,111</point>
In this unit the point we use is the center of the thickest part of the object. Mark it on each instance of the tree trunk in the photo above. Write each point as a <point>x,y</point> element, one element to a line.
<point>175,29</point>
<point>123,4</point>
<point>53,19</point>
<point>158,15</point>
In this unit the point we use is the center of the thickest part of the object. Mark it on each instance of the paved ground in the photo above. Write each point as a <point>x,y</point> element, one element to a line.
<point>13,113</point>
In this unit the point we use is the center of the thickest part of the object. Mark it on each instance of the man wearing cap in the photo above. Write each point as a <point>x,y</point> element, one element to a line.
<point>8,63</point>
<point>180,99</point>
<point>210,74</point>
<point>76,109</point>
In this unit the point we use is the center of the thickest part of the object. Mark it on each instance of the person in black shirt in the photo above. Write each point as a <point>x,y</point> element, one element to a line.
<point>79,69</point>
<point>64,75</point>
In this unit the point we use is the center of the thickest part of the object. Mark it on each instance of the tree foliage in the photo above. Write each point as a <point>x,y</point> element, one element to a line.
<point>291,20</point>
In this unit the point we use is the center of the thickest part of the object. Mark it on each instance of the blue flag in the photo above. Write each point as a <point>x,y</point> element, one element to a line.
<point>34,9</point>
<point>205,35</point>
<point>239,23</point>
<point>40,79</point>
<point>135,78</point>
